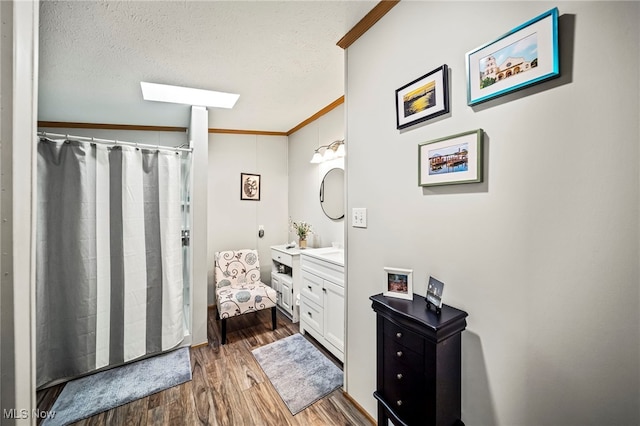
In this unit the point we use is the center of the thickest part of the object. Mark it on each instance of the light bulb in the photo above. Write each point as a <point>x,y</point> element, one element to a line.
<point>329,154</point>
<point>317,158</point>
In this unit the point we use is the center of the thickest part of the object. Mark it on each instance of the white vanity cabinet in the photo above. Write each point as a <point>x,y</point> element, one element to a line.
<point>322,298</point>
<point>285,279</point>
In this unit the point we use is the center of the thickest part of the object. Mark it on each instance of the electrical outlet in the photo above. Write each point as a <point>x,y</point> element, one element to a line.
<point>359,217</point>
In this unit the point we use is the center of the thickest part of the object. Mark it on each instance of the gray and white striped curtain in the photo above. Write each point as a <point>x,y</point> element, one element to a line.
<point>109,256</point>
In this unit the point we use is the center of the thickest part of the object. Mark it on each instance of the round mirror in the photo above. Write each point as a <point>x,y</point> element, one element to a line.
<point>332,194</point>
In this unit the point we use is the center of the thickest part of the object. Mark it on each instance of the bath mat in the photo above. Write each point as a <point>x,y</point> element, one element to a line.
<point>298,370</point>
<point>90,395</point>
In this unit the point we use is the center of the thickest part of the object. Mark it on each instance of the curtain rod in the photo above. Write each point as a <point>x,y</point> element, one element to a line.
<point>113,142</point>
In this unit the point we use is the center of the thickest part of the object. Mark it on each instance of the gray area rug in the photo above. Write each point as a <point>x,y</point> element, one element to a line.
<point>90,395</point>
<point>300,373</point>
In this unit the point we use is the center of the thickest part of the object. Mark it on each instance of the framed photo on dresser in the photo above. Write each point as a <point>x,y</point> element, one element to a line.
<point>434,292</point>
<point>398,283</point>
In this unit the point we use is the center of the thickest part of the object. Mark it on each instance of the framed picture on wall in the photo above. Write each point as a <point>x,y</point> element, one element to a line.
<point>398,283</point>
<point>424,98</point>
<point>451,160</point>
<point>526,55</point>
<point>249,187</point>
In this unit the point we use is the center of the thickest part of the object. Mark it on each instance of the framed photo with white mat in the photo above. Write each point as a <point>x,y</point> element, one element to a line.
<point>398,283</point>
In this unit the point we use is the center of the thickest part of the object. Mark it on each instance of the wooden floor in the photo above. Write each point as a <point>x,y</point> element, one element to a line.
<point>228,386</point>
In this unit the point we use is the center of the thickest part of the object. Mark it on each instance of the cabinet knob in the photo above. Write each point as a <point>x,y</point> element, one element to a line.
<point>399,353</point>
<point>399,376</point>
<point>399,402</point>
<point>324,289</point>
<point>309,313</point>
<point>398,335</point>
<point>309,287</point>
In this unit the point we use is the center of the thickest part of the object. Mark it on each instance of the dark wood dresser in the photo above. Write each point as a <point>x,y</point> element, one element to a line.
<point>418,362</point>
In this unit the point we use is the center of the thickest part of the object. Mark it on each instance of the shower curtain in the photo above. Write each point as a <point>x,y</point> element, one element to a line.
<point>109,257</point>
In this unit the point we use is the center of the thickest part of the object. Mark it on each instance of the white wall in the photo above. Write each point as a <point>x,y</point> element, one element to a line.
<point>544,254</point>
<point>305,178</point>
<point>233,223</point>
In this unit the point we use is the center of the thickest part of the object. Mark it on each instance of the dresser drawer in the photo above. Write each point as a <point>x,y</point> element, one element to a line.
<point>403,337</point>
<point>284,258</point>
<point>396,353</point>
<point>400,377</point>
<point>405,402</point>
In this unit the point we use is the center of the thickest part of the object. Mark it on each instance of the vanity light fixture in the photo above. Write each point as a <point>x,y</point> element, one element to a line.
<point>329,152</point>
<point>187,95</point>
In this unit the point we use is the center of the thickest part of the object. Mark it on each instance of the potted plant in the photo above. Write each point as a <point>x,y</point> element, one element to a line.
<point>302,229</point>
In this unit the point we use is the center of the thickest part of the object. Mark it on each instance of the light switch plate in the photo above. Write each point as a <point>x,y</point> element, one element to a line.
<point>359,217</point>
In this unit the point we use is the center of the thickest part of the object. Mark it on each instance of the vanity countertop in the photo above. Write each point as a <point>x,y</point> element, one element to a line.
<point>328,254</point>
<point>293,250</point>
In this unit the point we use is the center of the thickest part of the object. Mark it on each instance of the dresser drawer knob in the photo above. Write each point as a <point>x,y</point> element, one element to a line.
<point>398,335</point>
<point>309,313</point>
<point>399,376</point>
<point>399,402</point>
<point>399,353</point>
<point>309,287</point>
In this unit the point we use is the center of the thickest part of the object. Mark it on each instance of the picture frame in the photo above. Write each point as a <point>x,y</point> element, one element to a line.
<point>451,160</point>
<point>435,288</point>
<point>398,283</point>
<point>249,187</point>
<point>424,98</point>
<point>526,55</point>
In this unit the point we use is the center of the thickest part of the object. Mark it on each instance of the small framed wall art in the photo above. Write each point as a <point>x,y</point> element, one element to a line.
<point>425,98</point>
<point>451,160</point>
<point>249,187</point>
<point>526,55</point>
<point>398,283</point>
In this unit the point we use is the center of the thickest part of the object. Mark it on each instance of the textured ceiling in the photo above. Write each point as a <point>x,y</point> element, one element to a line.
<point>280,56</point>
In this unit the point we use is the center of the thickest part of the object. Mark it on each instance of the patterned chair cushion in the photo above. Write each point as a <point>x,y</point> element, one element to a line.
<point>238,286</point>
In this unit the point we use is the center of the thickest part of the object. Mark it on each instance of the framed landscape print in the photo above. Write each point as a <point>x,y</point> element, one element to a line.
<point>424,98</point>
<point>398,283</point>
<point>249,187</point>
<point>524,56</point>
<point>451,160</point>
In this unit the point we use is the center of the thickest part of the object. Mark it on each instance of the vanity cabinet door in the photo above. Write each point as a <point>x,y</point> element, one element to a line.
<point>286,294</point>
<point>275,284</point>
<point>334,314</point>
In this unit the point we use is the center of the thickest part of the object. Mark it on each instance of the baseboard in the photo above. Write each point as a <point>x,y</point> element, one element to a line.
<point>199,345</point>
<point>359,408</point>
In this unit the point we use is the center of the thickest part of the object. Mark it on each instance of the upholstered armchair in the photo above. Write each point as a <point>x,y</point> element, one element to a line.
<point>238,287</point>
